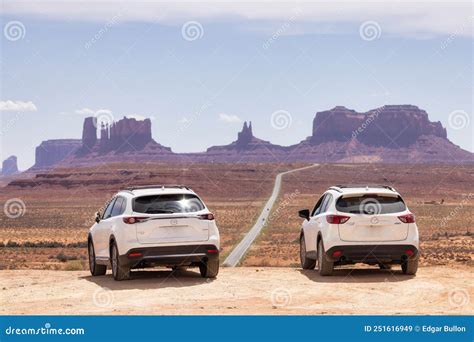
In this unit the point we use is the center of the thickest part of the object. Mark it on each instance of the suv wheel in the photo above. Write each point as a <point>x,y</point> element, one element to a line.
<point>325,267</point>
<point>96,270</point>
<point>119,272</point>
<point>410,267</point>
<point>209,268</point>
<point>306,263</point>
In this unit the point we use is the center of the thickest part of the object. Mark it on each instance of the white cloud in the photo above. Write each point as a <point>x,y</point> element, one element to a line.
<point>229,118</point>
<point>400,17</point>
<point>92,112</point>
<point>17,106</point>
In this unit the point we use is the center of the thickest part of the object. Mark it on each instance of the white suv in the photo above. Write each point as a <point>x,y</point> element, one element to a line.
<point>154,226</point>
<point>359,224</point>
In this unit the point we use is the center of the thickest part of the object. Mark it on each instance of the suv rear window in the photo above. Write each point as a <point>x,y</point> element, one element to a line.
<point>167,204</point>
<point>370,204</point>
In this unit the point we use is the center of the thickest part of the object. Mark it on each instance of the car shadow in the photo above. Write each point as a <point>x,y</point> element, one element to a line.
<point>151,279</point>
<point>358,275</point>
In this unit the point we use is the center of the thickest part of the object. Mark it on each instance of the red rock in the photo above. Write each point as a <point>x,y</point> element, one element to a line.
<point>51,152</point>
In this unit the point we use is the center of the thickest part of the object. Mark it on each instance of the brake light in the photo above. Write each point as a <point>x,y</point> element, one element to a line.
<point>336,254</point>
<point>135,255</point>
<point>408,218</point>
<point>212,251</point>
<point>209,217</point>
<point>337,219</point>
<point>134,219</point>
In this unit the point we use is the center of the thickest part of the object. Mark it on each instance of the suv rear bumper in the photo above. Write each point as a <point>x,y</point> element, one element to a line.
<point>371,254</point>
<point>187,255</point>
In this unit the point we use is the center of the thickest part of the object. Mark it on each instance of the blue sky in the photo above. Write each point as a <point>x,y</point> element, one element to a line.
<point>247,62</point>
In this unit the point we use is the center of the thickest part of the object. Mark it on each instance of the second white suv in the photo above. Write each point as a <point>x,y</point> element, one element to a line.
<point>154,226</point>
<point>359,224</point>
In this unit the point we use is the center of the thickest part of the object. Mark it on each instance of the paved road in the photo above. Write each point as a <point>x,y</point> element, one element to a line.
<point>239,251</point>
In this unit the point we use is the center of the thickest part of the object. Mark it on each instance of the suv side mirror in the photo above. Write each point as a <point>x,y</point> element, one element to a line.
<point>304,214</point>
<point>97,217</point>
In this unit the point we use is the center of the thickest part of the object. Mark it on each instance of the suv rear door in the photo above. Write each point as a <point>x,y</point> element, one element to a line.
<point>171,218</point>
<point>373,218</point>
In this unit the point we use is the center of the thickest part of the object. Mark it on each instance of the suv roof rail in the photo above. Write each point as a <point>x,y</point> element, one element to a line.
<point>162,186</point>
<point>335,188</point>
<point>345,186</point>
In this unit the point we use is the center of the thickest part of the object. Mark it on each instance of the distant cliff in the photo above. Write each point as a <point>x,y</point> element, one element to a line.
<point>51,152</point>
<point>9,166</point>
<point>388,126</point>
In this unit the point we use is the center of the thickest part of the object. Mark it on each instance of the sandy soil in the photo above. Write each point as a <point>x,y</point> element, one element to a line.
<point>244,290</point>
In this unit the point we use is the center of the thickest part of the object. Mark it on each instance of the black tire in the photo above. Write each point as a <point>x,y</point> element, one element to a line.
<point>325,267</point>
<point>306,263</point>
<point>210,268</point>
<point>96,270</point>
<point>410,266</point>
<point>118,271</point>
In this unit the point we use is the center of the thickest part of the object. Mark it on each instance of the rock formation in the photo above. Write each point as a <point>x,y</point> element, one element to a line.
<point>246,148</point>
<point>388,126</point>
<point>9,166</point>
<point>392,133</point>
<point>51,152</point>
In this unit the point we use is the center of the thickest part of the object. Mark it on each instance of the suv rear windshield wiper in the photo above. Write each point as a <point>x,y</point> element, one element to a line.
<point>158,211</point>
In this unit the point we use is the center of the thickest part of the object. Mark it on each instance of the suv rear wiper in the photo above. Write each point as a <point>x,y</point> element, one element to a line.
<point>159,212</point>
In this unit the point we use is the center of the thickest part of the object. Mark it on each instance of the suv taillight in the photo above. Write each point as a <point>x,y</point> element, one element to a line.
<point>209,217</point>
<point>337,219</point>
<point>408,218</point>
<point>134,219</point>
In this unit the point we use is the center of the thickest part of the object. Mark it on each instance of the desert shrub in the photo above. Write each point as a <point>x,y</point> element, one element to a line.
<point>63,257</point>
<point>74,265</point>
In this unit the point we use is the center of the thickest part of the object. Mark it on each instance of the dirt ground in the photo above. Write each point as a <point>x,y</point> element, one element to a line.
<point>242,290</point>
